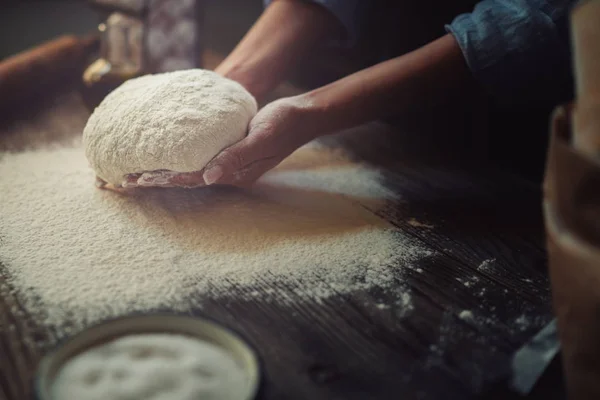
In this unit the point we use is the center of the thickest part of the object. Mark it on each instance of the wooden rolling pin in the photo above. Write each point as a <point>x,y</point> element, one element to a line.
<point>56,62</point>
<point>585,37</point>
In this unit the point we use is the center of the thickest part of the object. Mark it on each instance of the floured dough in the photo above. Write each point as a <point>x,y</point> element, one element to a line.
<point>176,121</point>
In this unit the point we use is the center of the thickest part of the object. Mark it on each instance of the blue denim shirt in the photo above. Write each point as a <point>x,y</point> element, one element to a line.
<point>507,44</point>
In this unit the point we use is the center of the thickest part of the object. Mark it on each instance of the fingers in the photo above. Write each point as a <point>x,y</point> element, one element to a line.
<point>274,133</point>
<point>246,176</point>
<point>163,178</point>
<point>130,180</point>
<point>242,162</point>
<point>188,179</point>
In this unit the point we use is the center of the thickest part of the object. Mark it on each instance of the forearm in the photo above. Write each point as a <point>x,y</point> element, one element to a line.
<point>397,86</point>
<point>279,39</point>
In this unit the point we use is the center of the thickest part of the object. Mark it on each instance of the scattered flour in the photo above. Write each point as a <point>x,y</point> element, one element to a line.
<point>404,305</point>
<point>464,282</point>
<point>418,224</point>
<point>74,252</point>
<point>465,315</point>
<point>468,281</point>
<point>522,322</point>
<point>486,265</point>
<point>151,366</point>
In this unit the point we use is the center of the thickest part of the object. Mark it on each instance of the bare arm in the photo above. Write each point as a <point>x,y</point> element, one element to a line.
<point>284,33</point>
<point>399,85</point>
<point>396,86</point>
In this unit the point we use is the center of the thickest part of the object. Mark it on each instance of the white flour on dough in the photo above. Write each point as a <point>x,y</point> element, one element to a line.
<point>175,121</point>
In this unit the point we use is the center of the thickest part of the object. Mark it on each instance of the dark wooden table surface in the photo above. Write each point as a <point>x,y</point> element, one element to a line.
<point>347,347</point>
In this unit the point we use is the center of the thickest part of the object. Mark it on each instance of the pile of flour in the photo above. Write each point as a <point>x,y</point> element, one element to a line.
<point>152,366</point>
<point>70,248</point>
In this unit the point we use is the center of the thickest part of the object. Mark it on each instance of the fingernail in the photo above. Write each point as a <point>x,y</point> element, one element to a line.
<point>212,174</point>
<point>130,180</point>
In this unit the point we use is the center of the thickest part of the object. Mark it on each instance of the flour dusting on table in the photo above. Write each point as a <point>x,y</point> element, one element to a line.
<point>72,249</point>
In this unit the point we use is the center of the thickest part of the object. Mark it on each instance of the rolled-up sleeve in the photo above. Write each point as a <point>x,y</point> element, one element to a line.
<point>350,14</point>
<point>510,44</point>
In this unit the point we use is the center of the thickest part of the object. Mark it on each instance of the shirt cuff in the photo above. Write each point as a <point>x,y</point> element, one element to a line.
<point>510,45</point>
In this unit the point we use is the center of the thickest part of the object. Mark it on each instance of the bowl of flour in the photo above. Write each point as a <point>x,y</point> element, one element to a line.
<point>151,357</point>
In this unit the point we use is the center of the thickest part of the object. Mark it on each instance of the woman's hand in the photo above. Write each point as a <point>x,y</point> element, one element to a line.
<point>400,85</point>
<point>274,133</point>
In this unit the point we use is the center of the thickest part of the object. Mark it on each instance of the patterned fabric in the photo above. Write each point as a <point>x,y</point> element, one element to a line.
<point>158,36</point>
<point>122,42</point>
<point>173,35</point>
<point>511,45</point>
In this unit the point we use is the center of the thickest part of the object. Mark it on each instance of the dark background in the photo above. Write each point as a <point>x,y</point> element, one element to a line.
<point>24,24</point>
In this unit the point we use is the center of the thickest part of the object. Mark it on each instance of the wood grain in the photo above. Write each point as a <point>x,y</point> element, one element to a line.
<point>482,226</point>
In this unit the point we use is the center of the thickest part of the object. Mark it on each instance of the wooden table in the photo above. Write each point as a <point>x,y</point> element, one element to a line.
<point>485,227</point>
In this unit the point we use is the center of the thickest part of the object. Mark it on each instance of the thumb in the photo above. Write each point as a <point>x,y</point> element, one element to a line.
<point>223,165</point>
<point>227,166</point>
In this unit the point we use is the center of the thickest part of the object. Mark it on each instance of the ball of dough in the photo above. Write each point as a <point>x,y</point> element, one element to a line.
<point>176,121</point>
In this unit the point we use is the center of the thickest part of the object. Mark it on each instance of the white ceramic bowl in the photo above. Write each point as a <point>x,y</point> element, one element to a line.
<point>199,328</point>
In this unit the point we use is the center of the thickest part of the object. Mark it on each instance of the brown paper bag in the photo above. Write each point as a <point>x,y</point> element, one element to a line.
<point>572,211</point>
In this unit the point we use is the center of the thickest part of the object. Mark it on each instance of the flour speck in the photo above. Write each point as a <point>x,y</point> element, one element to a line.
<point>465,315</point>
<point>486,265</point>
